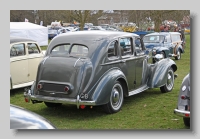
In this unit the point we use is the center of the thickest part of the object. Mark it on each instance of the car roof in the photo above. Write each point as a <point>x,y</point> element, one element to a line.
<point>88,35</point>
<point>162,33</point>
<point>95,35</point>
<point>14,39</point>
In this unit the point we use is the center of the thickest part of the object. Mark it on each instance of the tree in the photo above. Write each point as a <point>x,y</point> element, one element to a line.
<point>81,16</point>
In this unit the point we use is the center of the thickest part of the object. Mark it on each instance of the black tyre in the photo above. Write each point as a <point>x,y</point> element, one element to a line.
<point>169,83</point>
<point>178,57</point>
<point>186,121</point>
<point>116,99</point>
<point>49,104</point>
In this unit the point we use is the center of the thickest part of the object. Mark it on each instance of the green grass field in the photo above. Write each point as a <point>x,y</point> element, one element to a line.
<point>150,109</point>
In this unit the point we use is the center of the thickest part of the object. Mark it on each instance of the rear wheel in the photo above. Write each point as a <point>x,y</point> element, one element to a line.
<point>49,104</point>
<point>186,121</point>
<point>116,99</point>
<point>169,83</point>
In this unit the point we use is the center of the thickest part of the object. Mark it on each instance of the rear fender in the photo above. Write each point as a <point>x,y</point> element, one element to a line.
<point>159,72</point>
<point>184,104</point>
<point>103,90</point>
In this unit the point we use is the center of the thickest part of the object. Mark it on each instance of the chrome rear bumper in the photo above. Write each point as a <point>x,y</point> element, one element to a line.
<point>182,113</point>
<point>34,98</point>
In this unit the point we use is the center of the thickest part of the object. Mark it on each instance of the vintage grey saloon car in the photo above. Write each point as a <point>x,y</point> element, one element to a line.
<point>183,105</point>
<point>25,56</point>
<point>98,68</point>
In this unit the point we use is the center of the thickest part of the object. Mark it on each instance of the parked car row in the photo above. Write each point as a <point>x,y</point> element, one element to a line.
<point>168,44</point>
<point>54,32</point>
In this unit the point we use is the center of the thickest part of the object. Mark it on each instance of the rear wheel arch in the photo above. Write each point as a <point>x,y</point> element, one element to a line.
<point>124,86</point>
<point>174,67</point>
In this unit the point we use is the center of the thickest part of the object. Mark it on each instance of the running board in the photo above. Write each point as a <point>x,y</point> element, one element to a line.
<point>139,90</point>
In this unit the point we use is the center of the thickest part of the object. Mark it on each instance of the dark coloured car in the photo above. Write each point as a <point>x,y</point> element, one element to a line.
<point>183,105</point>
<point>21,118</point>
<point>165,43</point>
<point>52,33</point>
<point>142,33</point>
<point>98,68</point>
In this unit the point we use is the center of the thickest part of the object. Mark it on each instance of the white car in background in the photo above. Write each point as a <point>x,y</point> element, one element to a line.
<point>25,56</point>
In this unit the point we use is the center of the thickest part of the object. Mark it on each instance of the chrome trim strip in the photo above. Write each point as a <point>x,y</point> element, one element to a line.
<point>76,61</point>
<point>141,89</point>
<point>45,59</point>
<point>181,113</point>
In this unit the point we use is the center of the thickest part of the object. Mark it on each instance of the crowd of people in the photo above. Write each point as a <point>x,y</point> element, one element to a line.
<point>176,29</point>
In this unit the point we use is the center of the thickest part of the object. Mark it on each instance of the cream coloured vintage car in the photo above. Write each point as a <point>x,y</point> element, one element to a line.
<point>25,55</point>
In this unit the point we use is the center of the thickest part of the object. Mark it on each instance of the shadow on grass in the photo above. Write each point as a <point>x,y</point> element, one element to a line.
<point>71,111</point>
<point>16,92</point>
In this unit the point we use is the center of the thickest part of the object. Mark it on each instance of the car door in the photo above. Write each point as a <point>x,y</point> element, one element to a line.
<point>34,57</point>
<point>140,67</point>
<point>168,44</point>
<point>128,62</point>
<point>18,64</point>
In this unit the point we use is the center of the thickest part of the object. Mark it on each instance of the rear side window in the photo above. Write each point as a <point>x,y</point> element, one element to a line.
<point>61,49</point>
<point>79,50</point>
<point>125,46</point>
<point>176,38</point>
<point>17,50</point>
<point>112,50</point>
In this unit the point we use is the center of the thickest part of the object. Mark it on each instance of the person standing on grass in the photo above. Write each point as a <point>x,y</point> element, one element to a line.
<point>182,37</point>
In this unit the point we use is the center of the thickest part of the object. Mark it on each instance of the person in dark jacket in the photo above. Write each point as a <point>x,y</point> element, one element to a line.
<point>166,29</point>
<point>182,37</point>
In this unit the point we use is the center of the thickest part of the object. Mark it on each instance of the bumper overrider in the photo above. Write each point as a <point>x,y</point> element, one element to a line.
<point>39,98</point>
<point>182,113</point>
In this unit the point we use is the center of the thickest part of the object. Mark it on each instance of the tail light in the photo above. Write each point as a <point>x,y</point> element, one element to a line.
<point>26,100</point>
<point>66,88</point>
<point>39,86</point>
<point>82,106</point>
<point>187,115</point>
<point>183,97</point>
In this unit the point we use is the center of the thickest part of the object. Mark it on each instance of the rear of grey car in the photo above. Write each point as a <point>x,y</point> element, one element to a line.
<point>183,105</point>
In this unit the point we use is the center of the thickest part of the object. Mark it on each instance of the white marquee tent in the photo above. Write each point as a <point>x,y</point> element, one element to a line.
<point>29,30</point>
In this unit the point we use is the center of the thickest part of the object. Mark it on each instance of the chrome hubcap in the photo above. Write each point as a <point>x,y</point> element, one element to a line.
<point>170,80</point>
<point>178,55</point>
<point>116,96</point>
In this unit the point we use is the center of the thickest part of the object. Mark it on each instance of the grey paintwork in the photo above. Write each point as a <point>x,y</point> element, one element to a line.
<point>91,78</point>
<point>183,105</point>
<point>21,118</point>
<point>166,47</point>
